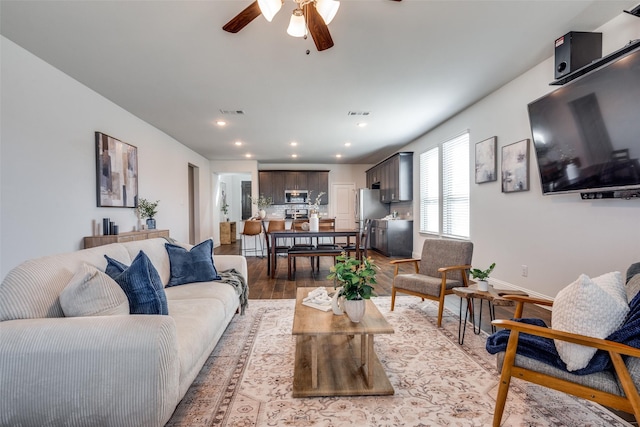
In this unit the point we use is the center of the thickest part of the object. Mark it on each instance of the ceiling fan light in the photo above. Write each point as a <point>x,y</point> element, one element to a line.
<point>269,8</point>
<point>327,9</point>
<point>297,26</point>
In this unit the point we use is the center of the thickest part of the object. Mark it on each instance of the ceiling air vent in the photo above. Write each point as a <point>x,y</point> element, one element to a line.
<point>358,113</point>
<point>232,112</point>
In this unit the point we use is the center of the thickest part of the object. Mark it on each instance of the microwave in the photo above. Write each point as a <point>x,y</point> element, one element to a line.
<point>296,196</point>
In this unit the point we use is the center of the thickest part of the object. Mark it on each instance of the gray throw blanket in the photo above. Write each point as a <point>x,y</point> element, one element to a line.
<point>235,279</point>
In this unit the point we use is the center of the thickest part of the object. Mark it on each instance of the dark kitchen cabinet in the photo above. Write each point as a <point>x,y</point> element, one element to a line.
<point>394,178</point>
<point>318,183</point>
<point>392,238</point>
<point>296,180</point>
<point>273,183</point>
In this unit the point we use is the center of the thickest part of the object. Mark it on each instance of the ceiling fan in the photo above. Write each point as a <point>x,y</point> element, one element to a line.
<point>309,15</point>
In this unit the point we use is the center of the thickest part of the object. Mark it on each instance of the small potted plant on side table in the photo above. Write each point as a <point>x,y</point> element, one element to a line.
<point>355,278</point>
<point>482,276</point>
<point>147,209</point>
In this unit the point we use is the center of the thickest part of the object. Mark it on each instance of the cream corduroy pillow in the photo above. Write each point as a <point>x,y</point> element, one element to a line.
<point>91,292</point>
<point>593,307</point>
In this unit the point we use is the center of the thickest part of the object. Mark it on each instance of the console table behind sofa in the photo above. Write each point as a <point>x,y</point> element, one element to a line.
<point>93,241</point>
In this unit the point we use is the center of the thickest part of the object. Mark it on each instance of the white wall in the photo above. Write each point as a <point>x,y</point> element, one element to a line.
<point>557,237</point>
<point>48,173</point>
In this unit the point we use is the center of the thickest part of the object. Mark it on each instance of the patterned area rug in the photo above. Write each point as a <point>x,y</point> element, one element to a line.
<point>247,380</point>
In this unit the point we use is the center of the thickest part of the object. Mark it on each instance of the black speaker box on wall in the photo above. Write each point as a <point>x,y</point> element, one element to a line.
<point>575,50</point>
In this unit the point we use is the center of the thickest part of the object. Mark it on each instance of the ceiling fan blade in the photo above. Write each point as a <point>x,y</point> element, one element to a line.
<point>318,29</point>
<point>242,19</point>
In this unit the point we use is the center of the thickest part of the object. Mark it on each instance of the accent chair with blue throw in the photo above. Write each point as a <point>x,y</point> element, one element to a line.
<point>591,351</point>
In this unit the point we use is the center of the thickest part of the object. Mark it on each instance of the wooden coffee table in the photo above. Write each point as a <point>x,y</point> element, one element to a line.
<point>334,356</point>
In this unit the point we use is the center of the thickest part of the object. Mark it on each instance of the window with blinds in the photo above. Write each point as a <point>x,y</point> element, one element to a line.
<point>444,188</point>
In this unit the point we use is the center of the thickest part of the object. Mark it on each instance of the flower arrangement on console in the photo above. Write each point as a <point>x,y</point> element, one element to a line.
<point>148,210</point>
<point>315,206</point>
<point>356,277</point>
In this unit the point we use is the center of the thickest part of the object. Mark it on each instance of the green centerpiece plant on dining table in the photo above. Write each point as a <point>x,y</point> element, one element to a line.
<point>354,279</point>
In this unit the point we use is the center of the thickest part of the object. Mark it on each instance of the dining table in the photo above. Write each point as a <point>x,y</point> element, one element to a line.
<point>294,234</point>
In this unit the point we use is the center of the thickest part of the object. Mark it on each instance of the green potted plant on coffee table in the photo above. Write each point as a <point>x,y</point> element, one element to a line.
<point>354,279</point>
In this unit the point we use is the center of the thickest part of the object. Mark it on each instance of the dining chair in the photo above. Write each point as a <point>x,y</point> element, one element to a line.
<point>444,265</point>
<point>274,225</point>
<point>252,228</point>
<point>364,241</point>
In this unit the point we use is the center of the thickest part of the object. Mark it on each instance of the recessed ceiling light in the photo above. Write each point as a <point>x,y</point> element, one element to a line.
<point>361,124</point>
<point>338,155</point>
<point>221,123</point>
<point>293,143</point>
<point>347,144</point>
<point>238,143</point>
<point>294,155</point>
<point>247,155</point>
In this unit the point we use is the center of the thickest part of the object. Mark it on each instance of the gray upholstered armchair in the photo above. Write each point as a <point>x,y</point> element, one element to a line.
<point>444,265</point>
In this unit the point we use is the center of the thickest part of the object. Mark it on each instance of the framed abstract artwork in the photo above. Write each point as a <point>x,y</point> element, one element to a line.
<point>515,167</point>
<point>486,162</point>
<point>117,172</point>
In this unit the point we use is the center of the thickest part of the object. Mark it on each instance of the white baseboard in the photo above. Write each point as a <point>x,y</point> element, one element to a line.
<point>499,284</point>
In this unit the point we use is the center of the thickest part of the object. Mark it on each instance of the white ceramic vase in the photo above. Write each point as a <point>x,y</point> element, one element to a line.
<point>262,213</point>
<point>355,309</point>
<point>314,223</point>
<point>483,285</point>
<point>337,303</point>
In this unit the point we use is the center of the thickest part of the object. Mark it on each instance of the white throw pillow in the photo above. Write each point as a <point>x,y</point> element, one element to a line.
<point>90,292</point>
<point>593,307</point>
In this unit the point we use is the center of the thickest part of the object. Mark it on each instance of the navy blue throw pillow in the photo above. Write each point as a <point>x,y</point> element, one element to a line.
<point>141,283</point>
<point>195,265</point>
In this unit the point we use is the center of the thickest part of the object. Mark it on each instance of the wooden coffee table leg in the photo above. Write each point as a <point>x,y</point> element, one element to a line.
<point>314,361</point>
<point>369,363</point>
<point>366,353</point>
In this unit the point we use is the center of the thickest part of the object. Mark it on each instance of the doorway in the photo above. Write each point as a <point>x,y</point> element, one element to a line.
<point>246,201</point>
<point>343,202</point>
<point>194,203</point>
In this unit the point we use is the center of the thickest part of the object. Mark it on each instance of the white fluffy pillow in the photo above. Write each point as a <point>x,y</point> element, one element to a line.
<point>593,307</point>
<point>90,292</point>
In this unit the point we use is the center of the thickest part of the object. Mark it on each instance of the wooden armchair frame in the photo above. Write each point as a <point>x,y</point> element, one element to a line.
<point>630,402</point>
<point>443,286</point>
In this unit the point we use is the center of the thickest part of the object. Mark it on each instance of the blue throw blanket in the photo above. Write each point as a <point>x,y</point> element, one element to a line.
<point>544,350</point>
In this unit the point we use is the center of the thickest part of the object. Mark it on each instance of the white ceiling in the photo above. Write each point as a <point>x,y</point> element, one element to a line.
<point>411,64</point>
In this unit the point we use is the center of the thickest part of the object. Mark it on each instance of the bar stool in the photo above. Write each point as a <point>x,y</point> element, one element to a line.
<point>274,225</point>
<point>252,228</point>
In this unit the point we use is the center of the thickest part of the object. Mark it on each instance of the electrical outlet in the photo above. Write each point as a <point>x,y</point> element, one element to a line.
<point>525,270</point>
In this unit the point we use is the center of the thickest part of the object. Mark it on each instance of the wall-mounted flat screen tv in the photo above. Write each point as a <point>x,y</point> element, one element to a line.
<point>587,133</point>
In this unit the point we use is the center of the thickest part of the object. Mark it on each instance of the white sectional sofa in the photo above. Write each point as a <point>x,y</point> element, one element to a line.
<point>105,370</point>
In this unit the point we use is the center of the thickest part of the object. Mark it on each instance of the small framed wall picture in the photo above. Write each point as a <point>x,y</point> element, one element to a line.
<point>117,172</point>
<point>515,167</point>
<point>486,160</point>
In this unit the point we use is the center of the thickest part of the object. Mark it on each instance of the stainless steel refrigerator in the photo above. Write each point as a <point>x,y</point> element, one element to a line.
<point>368,206</point>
